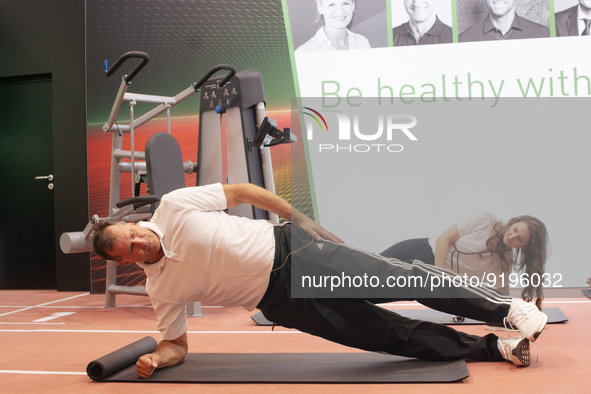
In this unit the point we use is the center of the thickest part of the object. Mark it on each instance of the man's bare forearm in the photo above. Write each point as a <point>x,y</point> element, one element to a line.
<point>246,193</point>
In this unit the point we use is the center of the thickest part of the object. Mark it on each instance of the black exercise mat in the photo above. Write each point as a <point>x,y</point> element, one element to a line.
<point>587,292</point>
<point>261,320</point>
<point>417,314</point>
<point>555,315</point>
<point>300,368</point>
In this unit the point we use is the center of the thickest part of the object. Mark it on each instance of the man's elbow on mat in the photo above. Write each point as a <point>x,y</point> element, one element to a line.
<point>173,352</point>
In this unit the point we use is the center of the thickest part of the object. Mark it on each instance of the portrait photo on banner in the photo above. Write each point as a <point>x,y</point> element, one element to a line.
<point>572,17</point>
<point>332,25</point>
<point>421,22</point>
<point>489,20</point>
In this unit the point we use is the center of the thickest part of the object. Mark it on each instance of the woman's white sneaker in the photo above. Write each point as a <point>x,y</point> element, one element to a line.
<point>527,318</point>
<point>515,350</point>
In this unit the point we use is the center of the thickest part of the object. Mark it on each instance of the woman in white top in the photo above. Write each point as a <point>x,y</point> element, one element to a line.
<point>334,35</point>
<point>485,248</point>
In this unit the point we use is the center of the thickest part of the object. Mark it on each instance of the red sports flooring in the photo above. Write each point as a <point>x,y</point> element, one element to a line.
<point>47,338</point>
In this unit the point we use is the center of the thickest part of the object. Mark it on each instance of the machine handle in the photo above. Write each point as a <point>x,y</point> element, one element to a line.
<point>138,201</point>
<point>133,54</point>
<point>219,67</point>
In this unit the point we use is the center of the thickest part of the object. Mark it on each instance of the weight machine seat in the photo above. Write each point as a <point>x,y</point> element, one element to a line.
<point>164,162</point>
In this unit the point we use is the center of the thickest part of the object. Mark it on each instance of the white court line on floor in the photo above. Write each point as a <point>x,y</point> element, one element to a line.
<point>11,322</point>
<point>46,303</point>
<point>544,302</point>
<point>75,307</point>
<point>269,331</point>
<point>103,307</point>
<point>41,372</point>
<point>208,306</point>
<point>55,315</point>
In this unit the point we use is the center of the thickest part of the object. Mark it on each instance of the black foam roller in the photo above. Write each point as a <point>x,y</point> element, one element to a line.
<point>120,359</point>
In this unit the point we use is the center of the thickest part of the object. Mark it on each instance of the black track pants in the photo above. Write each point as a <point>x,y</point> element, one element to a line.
<point>359,323</point>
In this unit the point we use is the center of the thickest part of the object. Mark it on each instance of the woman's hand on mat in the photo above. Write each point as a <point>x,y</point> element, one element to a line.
<point>146,365</point>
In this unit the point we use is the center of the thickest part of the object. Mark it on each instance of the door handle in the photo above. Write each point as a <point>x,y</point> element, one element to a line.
<point>49,178</point>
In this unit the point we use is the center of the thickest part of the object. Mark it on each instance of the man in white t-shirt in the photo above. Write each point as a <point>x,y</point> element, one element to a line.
<point>191,250</point>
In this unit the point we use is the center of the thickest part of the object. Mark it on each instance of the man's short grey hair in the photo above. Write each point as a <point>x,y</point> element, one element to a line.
<point>103,240</point>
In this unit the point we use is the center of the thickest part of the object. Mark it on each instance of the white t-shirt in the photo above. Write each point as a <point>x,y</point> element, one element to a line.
<point>474,232</point>
<point>321,43</point>
<point>210,256</point>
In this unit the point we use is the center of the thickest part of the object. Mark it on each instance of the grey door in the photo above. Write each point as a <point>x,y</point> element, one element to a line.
<point>27,240</point>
